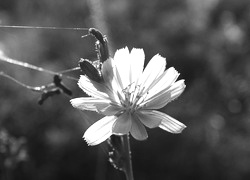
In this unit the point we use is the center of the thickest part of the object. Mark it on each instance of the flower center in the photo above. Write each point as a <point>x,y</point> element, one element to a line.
<point>132,98</point>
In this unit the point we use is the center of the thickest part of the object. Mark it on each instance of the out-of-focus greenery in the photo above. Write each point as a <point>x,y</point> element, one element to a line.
<point>207,41</point>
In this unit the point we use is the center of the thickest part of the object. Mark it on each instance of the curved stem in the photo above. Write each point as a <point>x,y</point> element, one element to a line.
<point>33,67</point>
<point>128,166</point>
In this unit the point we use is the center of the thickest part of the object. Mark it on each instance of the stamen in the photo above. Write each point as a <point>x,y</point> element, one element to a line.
<point>141,99</point>
<point>119,96</point>
<point>135,94</point>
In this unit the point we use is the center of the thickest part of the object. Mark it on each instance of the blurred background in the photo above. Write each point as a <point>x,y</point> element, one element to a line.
<point>207,41</point>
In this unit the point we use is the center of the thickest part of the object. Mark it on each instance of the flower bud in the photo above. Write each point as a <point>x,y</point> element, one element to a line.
<point>101,44</point>
<point>89,70</point>
<point>58,83</point>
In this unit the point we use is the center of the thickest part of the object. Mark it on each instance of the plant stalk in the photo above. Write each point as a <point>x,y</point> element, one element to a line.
<point>128,170</point>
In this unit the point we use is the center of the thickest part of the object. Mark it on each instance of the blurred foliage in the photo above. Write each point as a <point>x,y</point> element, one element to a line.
<point>12,152</point>
<point>207,41</point>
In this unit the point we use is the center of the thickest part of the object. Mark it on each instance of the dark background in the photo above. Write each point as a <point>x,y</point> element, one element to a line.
<point>207,41</point>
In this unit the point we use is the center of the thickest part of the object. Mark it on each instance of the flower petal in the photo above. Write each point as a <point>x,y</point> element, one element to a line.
<point>149,119</point>
<point>107,71</point>
<point>92,88</point>
<point>122,63</point>
<point>168,123</point>
<point>138,130</point>
<point>163,82</point>
<point>157,102</point>
<point>154,69</point>
<point>136,59</point>
<point>89,103</point>
<point>123,124</point>
<point>99,131</point>
<point>177,89</point>
<point>116,87</point>
<point>109,110</point>
<point>165,96</point>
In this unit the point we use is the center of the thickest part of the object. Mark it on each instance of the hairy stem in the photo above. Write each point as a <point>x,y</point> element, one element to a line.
<point>128,166</point>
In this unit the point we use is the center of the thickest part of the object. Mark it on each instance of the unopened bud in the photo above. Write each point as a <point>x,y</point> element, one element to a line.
<point>89,70</point>
<point>101,44</point>
<point>58,83</point>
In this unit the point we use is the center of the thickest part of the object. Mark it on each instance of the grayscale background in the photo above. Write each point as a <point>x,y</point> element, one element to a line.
<point>207,41</point>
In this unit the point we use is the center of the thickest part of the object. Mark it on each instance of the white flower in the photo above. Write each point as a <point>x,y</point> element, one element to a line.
<point>128,96</point>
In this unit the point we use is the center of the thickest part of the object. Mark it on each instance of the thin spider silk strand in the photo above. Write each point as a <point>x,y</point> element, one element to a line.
<point>48,28</point>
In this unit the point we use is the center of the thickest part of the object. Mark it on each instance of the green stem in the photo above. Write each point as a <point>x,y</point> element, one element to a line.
<point>128,166</point>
